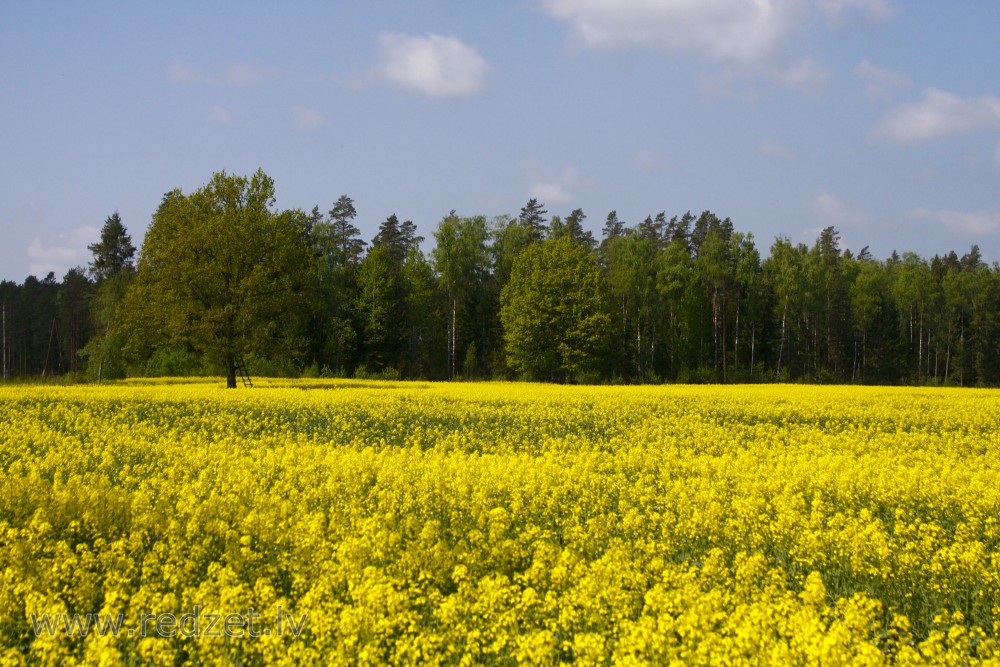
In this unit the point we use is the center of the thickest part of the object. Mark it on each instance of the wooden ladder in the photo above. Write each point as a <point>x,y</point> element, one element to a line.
<point>241,368</point>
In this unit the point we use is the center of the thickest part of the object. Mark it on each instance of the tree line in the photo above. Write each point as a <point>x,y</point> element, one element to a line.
<point>224,282</point>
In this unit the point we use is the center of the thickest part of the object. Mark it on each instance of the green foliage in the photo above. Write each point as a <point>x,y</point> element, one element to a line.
<point>555,311</point>
<point>220,272</point>
<point>174,362</point>
<point>462,263</point>
<point>114,254</point>
<point>470,367</point>
<point>223,276</point>
<point>380,307</point>
<point>532,218</point>
<point>365,373</point>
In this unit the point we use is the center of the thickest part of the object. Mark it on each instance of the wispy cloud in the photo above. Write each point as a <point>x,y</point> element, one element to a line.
<point>240,75</point>
<point>881,83</point>
<point>305,119</point>
<point>984,223</point>
<point>432,64</point>
<point>806,76</point>
<point>832,211</point>
<point>730,30</point>
<point>938,114</point>
<point>838,12</point>
<point>62,251</point>
<point>748,39</point>
<point>776,151</point>
<point>553,187</point>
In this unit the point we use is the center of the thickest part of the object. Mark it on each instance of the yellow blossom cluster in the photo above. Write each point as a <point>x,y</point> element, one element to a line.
<point>466,523</point>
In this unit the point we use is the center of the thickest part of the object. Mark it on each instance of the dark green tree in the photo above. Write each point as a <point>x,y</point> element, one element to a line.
<point>397,238</point>
<point>533,218</point>
<point>114,254</point>
<point>381,309</point>
<point>674,277</point>
<point>339,250</point>
<point>784,274</point>
<point>613,227</point>
<point>74,322</point>
<point>341,240</point>
<point>749,299</point>
<point>632,281</point>
<point>867,297</point>
<point>714,266</point>
<point>113,266</point>
<point>574,229</point>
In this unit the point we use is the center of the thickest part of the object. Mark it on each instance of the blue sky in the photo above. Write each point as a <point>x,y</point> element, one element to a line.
<point>876,116</point>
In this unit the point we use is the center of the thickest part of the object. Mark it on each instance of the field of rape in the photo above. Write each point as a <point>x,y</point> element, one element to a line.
<point>415,523</point>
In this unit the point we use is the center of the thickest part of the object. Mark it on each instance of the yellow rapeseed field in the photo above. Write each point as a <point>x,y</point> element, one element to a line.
<point>405,523</point>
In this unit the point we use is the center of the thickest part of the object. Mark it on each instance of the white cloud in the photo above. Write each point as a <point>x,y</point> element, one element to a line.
<point>729,30</point>
<point>61,252</point>
<point>881,83</point>
<point>238,74</point>
<point>747,37</point>
<point>939,114</point>
<point>774,150</point>
<point>970,224</point>
<point>220,116</point>
<point>832,211</point>
<point>805,76</point>
<point>554,193</point>
<point>304,119</point>
<point>836,10</point>
<point>553,188</point>
<point>432,64</point>
<point>241,74</point>
<point>181,73</point>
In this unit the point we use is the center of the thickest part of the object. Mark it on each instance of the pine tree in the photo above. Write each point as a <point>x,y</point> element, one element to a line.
<point>533,217</point>
<point>114,254</point>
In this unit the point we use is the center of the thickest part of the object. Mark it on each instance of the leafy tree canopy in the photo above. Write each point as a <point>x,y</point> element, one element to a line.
<point>554,311</point>
<point>220,271</point>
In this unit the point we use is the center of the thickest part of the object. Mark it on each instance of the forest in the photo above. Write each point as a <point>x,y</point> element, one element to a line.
<point>225,284</point>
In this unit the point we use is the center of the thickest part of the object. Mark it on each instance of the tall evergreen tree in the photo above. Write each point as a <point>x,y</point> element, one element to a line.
<point>339,249</point>
<point>114,254</point>
<point>113,267</point>
<point>533,218</point>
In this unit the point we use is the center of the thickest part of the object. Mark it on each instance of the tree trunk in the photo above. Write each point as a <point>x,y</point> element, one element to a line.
<point>48,350</point>
<point>947,360</point>
<point>725,368</point>
<point>854,364</point>
<point>864,354</point>
<point>781,347</point>
<point>454,335</point>
<point>920,348</point>
<point>736,340</point>
<point>638,347</point>
<point>230,373</point>
<point>961,356</point>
